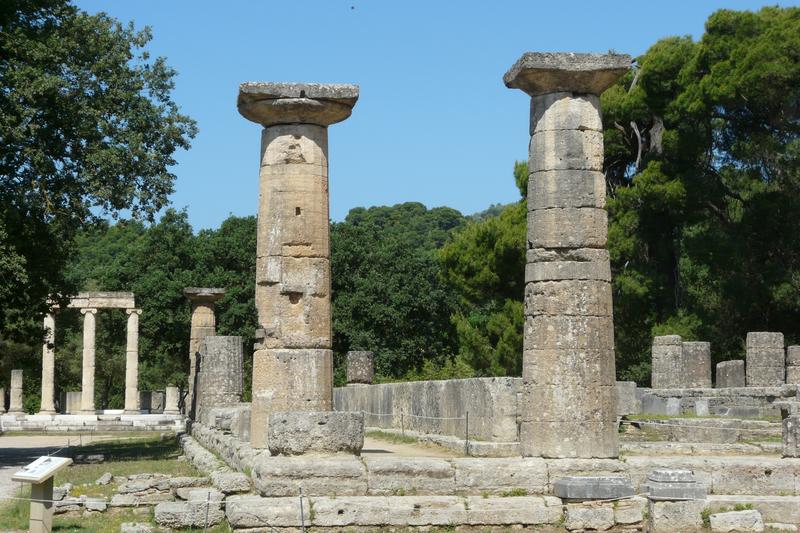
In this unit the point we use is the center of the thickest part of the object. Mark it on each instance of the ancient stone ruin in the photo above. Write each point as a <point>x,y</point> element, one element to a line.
<point>568,359</point>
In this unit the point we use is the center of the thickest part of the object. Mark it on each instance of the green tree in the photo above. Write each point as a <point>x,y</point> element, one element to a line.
<point>704,208</point>
<point>388,295</point>
<point>485,264</point>
<point>87,129</point>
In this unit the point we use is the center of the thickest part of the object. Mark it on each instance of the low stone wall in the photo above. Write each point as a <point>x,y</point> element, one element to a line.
<point>439,407</point>
<point>104,422</point>
<point>738,402</point>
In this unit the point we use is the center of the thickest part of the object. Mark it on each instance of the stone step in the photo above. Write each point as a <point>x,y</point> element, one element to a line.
<point>783,509</point>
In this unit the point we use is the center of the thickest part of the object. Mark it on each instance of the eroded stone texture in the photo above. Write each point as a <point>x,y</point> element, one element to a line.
<point>730,374</point>
<point>793,364</point>
<point>791,436</point>
<point>15,396</point>
<point>48,366</point>
<point>303,432</point>
<point>2,400</point>
<point>204,324</point>
<point>292,367</point>
<point>219,383</point>
<point>360,367</point>
<point>667,362</point>
<point>87,376</point>
<point>172,397</point>
<point>569,397</point>
<point>766,359</point>
<point>696,364</point>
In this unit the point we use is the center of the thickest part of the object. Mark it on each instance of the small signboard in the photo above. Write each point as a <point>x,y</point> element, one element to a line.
<point>41,469</point>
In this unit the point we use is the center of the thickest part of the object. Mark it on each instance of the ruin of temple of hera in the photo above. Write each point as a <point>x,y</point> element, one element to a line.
<point>204,324</point>
<point>88,303</point>
<point>569,396</point>
<point>292,364</point>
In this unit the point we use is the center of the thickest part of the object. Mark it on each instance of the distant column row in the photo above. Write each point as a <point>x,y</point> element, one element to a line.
<point>768,363</point>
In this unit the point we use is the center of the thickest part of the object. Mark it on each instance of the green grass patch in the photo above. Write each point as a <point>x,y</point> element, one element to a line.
<point>514,493</point>
<point>391,437</point>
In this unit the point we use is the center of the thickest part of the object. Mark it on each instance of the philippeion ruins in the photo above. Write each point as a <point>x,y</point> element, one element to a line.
<point>565,447</point>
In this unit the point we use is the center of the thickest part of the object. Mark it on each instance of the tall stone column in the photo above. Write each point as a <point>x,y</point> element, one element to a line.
<point>132,362</point>
<point>569,393</point>
<point>87,380</point>
<point>15,394</point>
<point>292,364</point>
<point>204,324</point>
<point>48,407</point>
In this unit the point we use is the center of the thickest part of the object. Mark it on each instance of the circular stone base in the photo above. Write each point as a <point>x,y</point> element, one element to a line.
<point>300,432</point>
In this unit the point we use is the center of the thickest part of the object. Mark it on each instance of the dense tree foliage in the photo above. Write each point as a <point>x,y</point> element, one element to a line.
<point>388,295</point>
<point>87,129</point>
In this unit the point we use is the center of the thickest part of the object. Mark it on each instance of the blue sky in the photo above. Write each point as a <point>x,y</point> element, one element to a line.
<point>434,122</point>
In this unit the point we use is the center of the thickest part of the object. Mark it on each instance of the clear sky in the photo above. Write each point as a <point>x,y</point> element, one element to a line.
<point>434,122</point>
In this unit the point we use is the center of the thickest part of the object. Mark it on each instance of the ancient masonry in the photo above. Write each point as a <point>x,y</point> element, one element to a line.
<point>678,364</point>
<point>292,364</point>
<point>568,361</point>
<point>219,382</point>
<point>204,324</point>
<point>360,367</point>
<point>793,364</point>
<point>15,397</point>
<point>766,359</point>
<point>730,374</point>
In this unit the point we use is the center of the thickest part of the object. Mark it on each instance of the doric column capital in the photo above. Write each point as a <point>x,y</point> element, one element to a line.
<point>91,310</point>
<point>203,295</point>
<point>271,103</point>
<point>539,73</point>
<point>133,311</point>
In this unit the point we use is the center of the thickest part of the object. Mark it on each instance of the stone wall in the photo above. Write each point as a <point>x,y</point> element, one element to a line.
<point>739,402</point>
<point>438,406</point>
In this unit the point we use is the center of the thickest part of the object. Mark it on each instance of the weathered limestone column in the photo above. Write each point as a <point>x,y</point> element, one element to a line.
<point>2,400</point>
<point>730,374</point>
<point>292,364</point>
<point>793,365</point>
<point>766,359</point>
<point>204,324</point>
<point>696,371</point>
<point>667,362</point>
<point>132,362</point>
<point>87,381</point>
<point>790,431</point>
<point>48,407</point>
<point>569,392</point>
<point>219,382</point>
<point>15,396</point>
<point>172,395</point>
<point>360,367</point>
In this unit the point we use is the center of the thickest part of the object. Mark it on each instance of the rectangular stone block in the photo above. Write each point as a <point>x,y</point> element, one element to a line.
<point>793,356</point>
<point>15,396</point>
<point>569,297</point>
<point>566,150</point>
<point>669,517</point>
<point>765,376</point>
<point>765,339</point>
<point>499,475</point>
<point>570,227</point>
<point>793,374</point>
<point>407,475</point>
<point>566,188</point>
<point>219,379</point>
<point>565,111</point>
<point>791,436</point>
<point>343,475</point>
<point>569,439</point>
<point>289,380</point>
<point>667,362</point>
<point>2,400</point>
<point>730,374</point>
<point>293,320</point>
<point>696,364</point>
<point>583,488</point>
<point>568,270</point>
<point>627,401</point>
<point>568,332</point>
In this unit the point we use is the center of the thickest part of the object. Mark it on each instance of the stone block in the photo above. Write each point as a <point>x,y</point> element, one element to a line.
<point>15,397</point>
<point>566,150</point>
<point>135,527</point>
<point>667,362</point>
<point>764,339</point>
<point>171,400</point>
<point>568,227</point>
<point>500,475</point>
<point>581,517</point>
<point>230,482</point>
<point>730,374</point>
<point>565,111</point>
<point>557,271</point>
<point>791,436</point>
<point>2,400</point>
<point>244,512</point>
<point>566,188</point>
<point>793,355</point>
<point>673,485</point>
<point>737,521</point>
<point>765,376</point>
<point>240,422</point>
<point>674,517</point>
<point>542,73</point>
<point>569,297</point>
<point>286,381</point>
<point>627,401</point>
<point>525,510</point>
<point>630,511</point>
<point>360,367</point>
<point>219,381</point>
<point>696,364</point>
<point>317,475</point>
<point>576,333</point>
<point>578,489</point>
<point>301,432</point>
<point>269,103</point>
<point>95,504</point>
<point>409,475</point>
